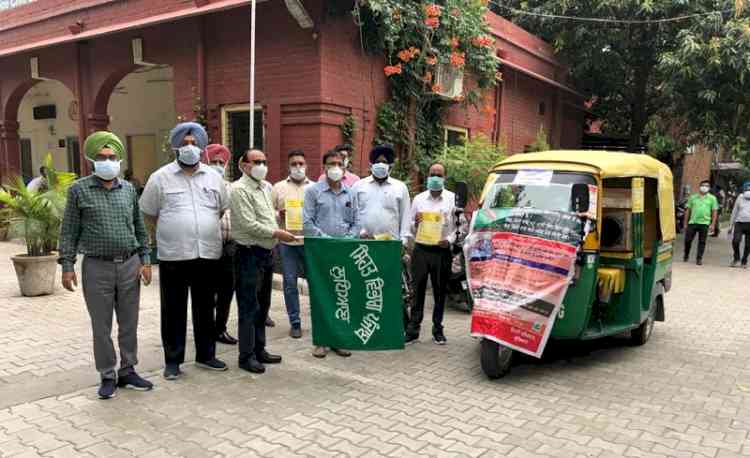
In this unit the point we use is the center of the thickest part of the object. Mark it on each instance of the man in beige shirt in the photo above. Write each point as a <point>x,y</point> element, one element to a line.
<point>256,231</point>
<point>288,197</point>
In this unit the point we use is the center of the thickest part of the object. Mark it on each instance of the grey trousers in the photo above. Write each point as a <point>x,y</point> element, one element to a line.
<point>113,287</point>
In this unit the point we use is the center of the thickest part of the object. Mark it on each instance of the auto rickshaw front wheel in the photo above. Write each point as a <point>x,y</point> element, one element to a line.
<point>496,359</point>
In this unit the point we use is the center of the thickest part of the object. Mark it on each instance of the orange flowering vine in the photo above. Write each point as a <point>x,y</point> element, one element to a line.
<point>392,70</point>
<point>432,10</point>
<point>432,22</point>
<point>458,59</point>
<point>437,88</point>
<point>482,41</point>
<point>489,110</point>
<point>455,43</point>
<point>431,60</point>
<point>408,54</point>
<point>499,76</point>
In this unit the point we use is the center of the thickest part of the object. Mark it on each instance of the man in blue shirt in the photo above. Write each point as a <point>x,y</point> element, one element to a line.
<point>330,210</point>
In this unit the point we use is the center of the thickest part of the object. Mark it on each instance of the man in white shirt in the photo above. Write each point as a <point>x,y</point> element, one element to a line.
<point>383,202</point>
<point>289,195</point>
<point>434,210</point>
<point>185,199</point>
<point>39,182</point>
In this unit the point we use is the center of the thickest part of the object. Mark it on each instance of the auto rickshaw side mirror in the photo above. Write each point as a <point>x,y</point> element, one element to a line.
<point>579,197</point>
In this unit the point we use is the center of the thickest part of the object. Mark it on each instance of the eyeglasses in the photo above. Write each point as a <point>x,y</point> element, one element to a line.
<point>102,157</point>
<point>296,164</point>
<point>259,162</point>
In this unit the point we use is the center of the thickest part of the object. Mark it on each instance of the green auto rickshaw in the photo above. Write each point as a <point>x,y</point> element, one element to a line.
<point>623,265</point>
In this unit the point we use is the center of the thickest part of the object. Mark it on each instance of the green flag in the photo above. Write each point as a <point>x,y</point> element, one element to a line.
<point>355,293</point>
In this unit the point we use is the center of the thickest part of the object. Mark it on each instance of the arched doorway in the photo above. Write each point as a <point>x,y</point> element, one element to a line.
<point>48,124</point>
<point>141,110</point>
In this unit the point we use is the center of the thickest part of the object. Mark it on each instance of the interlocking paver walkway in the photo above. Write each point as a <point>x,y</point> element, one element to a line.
<point>685,393</point>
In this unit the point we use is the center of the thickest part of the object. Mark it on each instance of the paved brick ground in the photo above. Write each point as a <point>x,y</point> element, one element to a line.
<point>686,393</point>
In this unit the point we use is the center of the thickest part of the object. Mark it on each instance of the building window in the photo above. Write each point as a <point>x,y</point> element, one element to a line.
<point>235,130</point>
<point>455,136</point>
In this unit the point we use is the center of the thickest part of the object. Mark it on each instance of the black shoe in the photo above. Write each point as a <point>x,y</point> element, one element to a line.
<point>734,264</point>
<point>267,358</point>
<point>172,372</point>
<point>685,259</point>
<point>295,332</point>
<point>438,337</point>
<point>270,323</point>
<point>252,365</point>
<point>108,389</point>
<point>226,339</point>
<point>341,352</point>
<point>212,365</point>
<point>411,338</point>
<point>744,266</point>
<point>134,382</point>
<point>699,262</point>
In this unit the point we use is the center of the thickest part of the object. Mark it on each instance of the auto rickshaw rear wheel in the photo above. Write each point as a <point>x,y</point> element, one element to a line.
<point>640,335</point>
<point>496,359</point>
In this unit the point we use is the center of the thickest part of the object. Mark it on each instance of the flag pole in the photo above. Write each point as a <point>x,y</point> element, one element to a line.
<point>252,74</point>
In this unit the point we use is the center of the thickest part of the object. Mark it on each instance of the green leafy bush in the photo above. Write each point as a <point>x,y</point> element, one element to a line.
<point>37,216</point>
<point>471,163</point>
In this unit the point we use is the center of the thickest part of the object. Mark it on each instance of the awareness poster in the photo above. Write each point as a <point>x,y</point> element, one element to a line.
<point>520,262</point>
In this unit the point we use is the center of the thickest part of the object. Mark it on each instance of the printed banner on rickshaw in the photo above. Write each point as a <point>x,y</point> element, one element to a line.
<point>355,293</point>
<point>520,262</point>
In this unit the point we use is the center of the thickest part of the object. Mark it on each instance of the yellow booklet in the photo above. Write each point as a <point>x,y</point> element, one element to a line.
<point>430,230</point>
<point>293,214</point>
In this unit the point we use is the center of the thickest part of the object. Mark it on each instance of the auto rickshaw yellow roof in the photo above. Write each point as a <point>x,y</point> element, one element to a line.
<point>609,164</point>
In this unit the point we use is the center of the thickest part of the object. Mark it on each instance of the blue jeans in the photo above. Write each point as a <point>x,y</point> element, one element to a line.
<point>292,262</point>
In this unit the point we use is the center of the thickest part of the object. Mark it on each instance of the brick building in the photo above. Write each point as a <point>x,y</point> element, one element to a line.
<point>136,66</point>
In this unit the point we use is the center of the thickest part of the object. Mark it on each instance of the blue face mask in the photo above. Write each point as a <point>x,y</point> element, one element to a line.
<point>189,154</point>
<point>380,170</point>
<point>435,183</point>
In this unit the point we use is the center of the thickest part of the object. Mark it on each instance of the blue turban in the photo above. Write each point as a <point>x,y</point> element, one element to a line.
<point>746,186</point>
<point>184,129</point>
<point>385,150</point>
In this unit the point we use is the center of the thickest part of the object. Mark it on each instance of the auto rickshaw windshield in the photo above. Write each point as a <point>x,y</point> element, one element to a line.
<point>545,191</point>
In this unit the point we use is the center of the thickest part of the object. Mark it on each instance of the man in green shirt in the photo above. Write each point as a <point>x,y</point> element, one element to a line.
<point>702,212</point>
<point>103,222</point>
<point>256,231</point>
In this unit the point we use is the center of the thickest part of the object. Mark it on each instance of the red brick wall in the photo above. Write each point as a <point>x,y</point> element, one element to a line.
<point>696,167</point>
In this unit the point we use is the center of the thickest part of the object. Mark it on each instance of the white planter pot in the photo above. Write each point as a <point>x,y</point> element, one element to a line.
<point>36,274</point>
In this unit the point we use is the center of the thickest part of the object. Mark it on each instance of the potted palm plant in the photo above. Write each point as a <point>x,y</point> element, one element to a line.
<point>36,218</point>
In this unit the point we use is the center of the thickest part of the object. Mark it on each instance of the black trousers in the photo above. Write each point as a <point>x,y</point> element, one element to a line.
<point>433,263</point>
<point>692,230</point>
<point>741,230</point>
<point>223,292</point>
<point>176,279</point>
<point>254,282</point>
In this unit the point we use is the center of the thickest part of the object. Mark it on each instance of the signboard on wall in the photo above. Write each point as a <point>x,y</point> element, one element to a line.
<point>10,4</point>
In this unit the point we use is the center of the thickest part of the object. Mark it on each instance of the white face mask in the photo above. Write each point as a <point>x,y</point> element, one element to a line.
<point>335,174</point>
<point>704,189</point>
<point>746,194</point>
<point>189,154</point>
<point>380,170</point>
<point>219,169</point>
<point>259,172</point>
<point>107,170</point>
<point>297,173</point>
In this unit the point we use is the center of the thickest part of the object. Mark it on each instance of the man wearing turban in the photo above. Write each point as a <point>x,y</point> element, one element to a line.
<point>217,157</point>
<point>102,221</point>
<point>185,200</point>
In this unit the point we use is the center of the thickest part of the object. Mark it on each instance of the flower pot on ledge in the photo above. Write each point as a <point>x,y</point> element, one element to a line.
<point>36,274</point>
